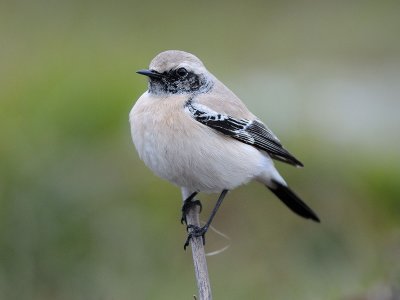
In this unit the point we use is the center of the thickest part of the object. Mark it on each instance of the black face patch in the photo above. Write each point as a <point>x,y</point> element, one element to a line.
<point>179,81</point>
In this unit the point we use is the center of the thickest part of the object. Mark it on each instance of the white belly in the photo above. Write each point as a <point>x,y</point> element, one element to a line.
<point>188,153</point>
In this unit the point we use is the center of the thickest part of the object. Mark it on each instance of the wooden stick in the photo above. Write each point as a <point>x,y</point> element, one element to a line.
<point>199,257</point>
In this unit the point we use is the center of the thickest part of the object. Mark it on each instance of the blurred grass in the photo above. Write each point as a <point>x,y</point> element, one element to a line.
<point>82,217</point>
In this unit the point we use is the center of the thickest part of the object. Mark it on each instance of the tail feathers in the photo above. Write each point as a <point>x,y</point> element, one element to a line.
<point>292,201</point>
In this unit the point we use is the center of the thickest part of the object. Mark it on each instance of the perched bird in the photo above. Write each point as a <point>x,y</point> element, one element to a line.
<point>193,131</point>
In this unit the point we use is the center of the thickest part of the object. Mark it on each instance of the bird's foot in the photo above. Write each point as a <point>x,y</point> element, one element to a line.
<point>187,206</point>
<point>196,231</point>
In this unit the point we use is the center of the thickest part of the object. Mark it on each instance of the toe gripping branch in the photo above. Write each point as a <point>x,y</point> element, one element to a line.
<point>187,206</point>
<point>196,231</point>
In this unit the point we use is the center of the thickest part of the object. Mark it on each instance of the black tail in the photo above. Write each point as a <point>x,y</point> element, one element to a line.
<point>293,201</point>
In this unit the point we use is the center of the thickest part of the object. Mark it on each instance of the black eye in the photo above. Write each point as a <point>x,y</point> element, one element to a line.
<point>181,72</point>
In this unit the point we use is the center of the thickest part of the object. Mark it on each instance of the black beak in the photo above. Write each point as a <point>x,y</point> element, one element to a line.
<point>150,73</point>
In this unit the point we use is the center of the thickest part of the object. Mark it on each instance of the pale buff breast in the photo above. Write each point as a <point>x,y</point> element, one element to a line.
<point>186,152</point>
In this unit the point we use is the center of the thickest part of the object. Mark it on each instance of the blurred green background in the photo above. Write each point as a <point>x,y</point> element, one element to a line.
<point>81,217</point>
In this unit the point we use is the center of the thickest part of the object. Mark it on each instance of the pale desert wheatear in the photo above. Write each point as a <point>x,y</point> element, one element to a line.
<point>190,129</point>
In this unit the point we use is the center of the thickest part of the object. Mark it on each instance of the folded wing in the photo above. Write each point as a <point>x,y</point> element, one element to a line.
<point>251,132</point>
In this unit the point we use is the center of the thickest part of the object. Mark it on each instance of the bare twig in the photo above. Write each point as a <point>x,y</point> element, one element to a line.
<point>199,257</point>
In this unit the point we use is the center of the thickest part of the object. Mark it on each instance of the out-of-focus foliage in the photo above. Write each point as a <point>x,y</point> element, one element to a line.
<point>82,218</point>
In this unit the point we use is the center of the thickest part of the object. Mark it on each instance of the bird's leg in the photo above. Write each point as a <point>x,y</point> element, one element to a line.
<point>188,204</point>
<point>201,231</point>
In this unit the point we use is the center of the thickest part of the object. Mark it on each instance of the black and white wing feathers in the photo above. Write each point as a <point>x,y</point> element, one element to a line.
<point>252,132</point>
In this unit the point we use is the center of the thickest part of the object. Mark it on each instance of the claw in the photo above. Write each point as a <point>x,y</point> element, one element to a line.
<point>199,231</point>
<point>196,232</point>
<point>187,205</point>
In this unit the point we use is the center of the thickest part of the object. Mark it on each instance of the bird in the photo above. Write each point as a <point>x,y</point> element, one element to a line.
<point>192,130</point>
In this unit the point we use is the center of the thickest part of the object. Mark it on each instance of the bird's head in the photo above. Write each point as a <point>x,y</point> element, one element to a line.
<point>177,72</point>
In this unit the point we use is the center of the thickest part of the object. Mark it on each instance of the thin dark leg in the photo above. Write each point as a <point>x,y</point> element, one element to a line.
<point>188,204</point>
<point>216,207</point>
<point>201,231</point>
